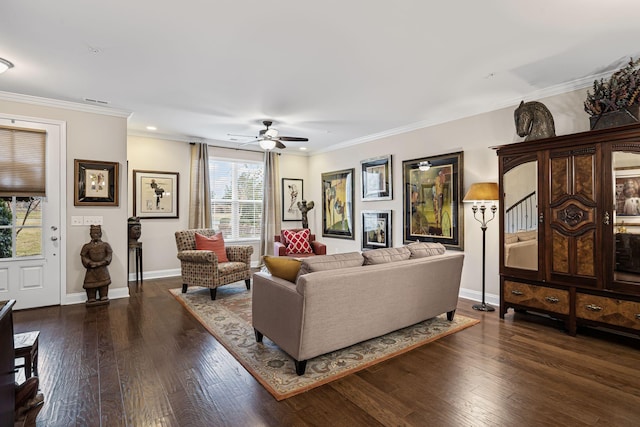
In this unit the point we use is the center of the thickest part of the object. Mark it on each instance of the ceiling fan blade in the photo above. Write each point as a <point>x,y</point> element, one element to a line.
<point>292,138</point>
<point>280,144</point>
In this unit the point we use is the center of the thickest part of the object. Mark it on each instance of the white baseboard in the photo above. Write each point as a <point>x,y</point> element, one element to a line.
<point>81,297</point>
<point>490,299</point>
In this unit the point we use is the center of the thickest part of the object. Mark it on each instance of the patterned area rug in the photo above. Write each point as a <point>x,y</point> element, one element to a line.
<point>228,319</point>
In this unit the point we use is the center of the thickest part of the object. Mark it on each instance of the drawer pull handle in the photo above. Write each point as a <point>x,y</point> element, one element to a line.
<point>594,307</point>
<point>516,292</point>
<point>638,316</point>
<point>552,300</point>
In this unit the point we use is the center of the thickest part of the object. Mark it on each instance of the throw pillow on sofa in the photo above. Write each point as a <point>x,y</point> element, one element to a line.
<point>297,241</point>
<point>385,255</point>
<point>282,267</point>
<point>425,249</point>
<point>214,243</point>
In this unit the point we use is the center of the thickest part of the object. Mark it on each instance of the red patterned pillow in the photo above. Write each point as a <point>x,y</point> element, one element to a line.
<point>298,241</point>
<point>214,243</point>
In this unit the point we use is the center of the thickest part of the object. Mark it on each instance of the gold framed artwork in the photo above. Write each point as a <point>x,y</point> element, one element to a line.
<point>96,183</point>
<point>155,194</point>
<point>432,200</point>
<point>337,204</point>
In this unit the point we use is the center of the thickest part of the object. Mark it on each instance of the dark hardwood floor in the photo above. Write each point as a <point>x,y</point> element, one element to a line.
<point>144,361</point>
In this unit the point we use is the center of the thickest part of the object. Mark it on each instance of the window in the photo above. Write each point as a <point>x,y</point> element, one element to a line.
<point>236,197</point>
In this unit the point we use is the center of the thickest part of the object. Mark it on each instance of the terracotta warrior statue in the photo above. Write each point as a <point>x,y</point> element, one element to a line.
<point>96,256</point>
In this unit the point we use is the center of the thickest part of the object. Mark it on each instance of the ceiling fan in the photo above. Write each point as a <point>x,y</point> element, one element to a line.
<point>269,138</point>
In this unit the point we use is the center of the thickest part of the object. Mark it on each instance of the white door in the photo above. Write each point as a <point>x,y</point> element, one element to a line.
<point>30,271</point>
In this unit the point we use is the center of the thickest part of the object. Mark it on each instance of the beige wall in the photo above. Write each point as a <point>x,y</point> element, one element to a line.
<point>473,135</point>
<point>103,137</point>
<point>90,136</point>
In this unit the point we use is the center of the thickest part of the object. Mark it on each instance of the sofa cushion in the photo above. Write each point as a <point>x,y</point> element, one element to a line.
<point>385,255</point>
<point>214,243</point>
<point>298,241</point>
<point>425,249</point>
<point>331,262</point>
<point>524,236</point>
<point>510,238</point>
<point>282,267</point>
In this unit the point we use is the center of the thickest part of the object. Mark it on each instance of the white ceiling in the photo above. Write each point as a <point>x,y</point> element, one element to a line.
<point>337,72</point>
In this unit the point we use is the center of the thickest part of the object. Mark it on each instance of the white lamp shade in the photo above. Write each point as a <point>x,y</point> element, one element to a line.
<point>267,144</point>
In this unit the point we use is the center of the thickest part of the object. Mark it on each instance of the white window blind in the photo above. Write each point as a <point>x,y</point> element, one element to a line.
<point>236,197</point>
<point>22,162</point>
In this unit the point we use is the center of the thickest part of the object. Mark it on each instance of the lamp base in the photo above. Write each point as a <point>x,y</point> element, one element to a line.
<point>483,307</point>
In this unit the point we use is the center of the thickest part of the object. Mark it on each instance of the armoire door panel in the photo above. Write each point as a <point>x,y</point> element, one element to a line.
<point>584,175</point>
<point>559,179</point>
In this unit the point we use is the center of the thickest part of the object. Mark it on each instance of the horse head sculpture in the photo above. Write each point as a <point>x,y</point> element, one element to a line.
<point>534,121</point>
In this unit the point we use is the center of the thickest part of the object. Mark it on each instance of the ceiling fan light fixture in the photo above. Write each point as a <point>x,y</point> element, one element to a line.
<point>271,133</point>
<point>267,144</point>
<point>5,65</point>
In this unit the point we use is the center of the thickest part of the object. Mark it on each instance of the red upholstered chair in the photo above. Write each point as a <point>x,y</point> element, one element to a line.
<point>279,248</point>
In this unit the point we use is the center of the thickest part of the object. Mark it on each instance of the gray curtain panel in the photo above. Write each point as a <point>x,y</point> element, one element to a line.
<point>199,193</point>
<point>270,202</point>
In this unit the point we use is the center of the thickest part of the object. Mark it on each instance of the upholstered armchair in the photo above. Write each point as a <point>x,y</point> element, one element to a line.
<point>280,245</point>
<point>202,268</point>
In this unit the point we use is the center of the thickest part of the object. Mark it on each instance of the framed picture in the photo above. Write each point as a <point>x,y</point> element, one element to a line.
<point>432,201</point>
<point>337,204</point>
<point>376,178</point>
<point>627,194</point>
<point>96,183</point>
<point>155,194</point>
<point>292,193</point>
<point>376,229</point>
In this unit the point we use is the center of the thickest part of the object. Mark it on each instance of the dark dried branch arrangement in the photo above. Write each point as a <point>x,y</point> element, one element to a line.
<point>618,93</point>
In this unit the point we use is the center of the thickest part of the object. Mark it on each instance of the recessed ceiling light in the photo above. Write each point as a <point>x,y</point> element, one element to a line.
<point>152,128</point>
<point>303,148</point>
<point>5,65</point>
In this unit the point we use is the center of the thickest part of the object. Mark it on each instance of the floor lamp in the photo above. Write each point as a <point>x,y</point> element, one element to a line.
<point>479,194</point>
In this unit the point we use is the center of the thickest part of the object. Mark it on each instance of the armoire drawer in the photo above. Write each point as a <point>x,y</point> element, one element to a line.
<point>549,299</point>
<point>608,310</point>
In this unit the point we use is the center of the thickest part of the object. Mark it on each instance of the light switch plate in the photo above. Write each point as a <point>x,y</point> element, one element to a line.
<point>93,220</point>
<point>77,220</point>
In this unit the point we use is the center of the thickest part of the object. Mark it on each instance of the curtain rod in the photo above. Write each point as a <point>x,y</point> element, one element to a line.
<point>231,148</point>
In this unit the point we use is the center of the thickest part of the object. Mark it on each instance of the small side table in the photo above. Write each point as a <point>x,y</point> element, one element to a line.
<point>137,249</point>
<point>26,346</point>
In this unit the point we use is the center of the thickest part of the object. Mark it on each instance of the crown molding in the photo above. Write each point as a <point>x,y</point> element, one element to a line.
<point>67,105</point>
<point>559,89</point>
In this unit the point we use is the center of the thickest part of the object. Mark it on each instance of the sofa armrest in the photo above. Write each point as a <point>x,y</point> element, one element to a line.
<point>277,311</point>
<point>198,256</point>
<point>239,253</point>
<point>279,249</point>
<point>318,248</point>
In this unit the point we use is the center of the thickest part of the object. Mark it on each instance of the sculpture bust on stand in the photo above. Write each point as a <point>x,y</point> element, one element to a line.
<point>304,208</point>
<point>135,230</point>
<point>96,256</point>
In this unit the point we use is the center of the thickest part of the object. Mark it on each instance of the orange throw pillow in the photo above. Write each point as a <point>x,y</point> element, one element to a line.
<point>214,243</point>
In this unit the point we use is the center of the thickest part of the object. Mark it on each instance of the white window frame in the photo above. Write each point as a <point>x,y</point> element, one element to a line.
<point>235,164</point>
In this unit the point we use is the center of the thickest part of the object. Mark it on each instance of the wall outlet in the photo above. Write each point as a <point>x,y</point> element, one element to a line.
<point>77,220</point>
<point>93,220</point>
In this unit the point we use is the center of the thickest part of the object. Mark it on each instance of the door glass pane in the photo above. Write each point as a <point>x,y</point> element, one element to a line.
<point>626,173</point>
<point>6,221</point>
<point>521,216</point>
<point>28,241</point>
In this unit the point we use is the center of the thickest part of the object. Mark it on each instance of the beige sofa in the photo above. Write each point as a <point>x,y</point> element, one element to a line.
<point>341,300</point>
